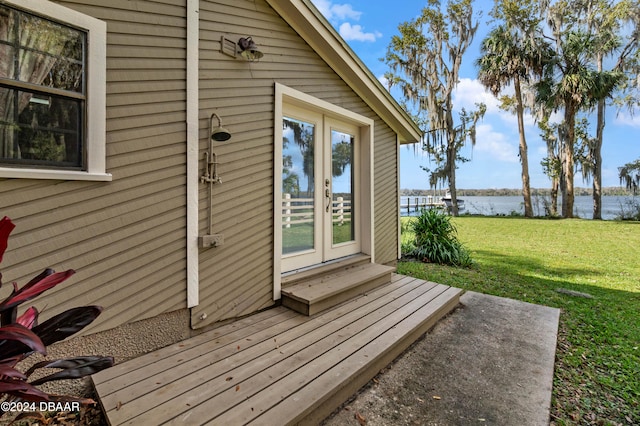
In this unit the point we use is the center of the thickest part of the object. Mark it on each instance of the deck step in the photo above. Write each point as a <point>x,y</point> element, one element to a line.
<point>296,277</point>
<point>335,287</point>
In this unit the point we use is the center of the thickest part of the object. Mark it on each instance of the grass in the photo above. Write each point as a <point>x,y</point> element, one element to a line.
<point>299,237</point>
<point>597,370</point>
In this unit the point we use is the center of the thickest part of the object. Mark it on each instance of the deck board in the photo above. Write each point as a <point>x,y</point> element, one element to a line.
<point>135,371</point>
<point>276,365</point>
<point>348,372</point>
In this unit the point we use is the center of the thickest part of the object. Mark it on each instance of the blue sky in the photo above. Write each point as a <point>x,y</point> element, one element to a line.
<point>368,26</point>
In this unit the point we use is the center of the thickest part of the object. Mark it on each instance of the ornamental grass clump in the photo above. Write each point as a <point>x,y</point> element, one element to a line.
<point>435,240</point>
<point>22,335</point>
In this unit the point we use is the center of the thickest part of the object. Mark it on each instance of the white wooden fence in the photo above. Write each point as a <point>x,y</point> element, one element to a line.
<point>300,210</point>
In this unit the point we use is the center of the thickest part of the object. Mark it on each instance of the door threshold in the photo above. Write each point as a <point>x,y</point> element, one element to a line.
<point>347,259</point>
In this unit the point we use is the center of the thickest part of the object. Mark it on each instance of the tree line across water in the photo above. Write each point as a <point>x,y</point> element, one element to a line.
<point>504,192</point>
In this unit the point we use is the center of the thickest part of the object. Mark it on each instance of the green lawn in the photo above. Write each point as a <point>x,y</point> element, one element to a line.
<point>597,371</point>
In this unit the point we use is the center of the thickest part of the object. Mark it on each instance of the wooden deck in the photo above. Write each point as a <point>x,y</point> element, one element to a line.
<point>275,367</point>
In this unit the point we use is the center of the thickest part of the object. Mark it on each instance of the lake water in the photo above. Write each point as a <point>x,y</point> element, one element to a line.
<point>612,206</point>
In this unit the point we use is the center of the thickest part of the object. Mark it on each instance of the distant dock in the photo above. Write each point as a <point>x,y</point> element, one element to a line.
<point>414,204</point>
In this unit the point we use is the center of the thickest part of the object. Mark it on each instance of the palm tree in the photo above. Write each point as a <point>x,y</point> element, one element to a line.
<point>609,22</point>
<point>573,86</point>
<point>609,30</point>
<point>511,57</point>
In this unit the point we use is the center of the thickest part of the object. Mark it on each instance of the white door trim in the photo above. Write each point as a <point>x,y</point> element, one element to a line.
<point>284,94</point>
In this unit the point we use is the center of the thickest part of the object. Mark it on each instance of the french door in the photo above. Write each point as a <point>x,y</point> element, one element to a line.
<point>320,188</point>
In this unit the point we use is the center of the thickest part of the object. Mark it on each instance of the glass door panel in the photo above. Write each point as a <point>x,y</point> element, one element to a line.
<point>342,184</point>
<point>341,170</point>
<point>298,186</point>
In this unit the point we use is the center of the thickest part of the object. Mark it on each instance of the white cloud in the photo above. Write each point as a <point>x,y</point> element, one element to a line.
<point>324,6</point>
<point>491,144</point>
<point>495,144</point>
<point>470,92</point>
<point>356,32</point>
<point>345,11</point>
<point>385,82</point>
<point>340,12</point>
<point>626,119</point>
<point>340,16</point>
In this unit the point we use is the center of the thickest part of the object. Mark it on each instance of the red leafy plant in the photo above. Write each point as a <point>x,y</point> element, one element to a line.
<point>22,336</point>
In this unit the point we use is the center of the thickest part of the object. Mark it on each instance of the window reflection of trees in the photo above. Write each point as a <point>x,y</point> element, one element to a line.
<point>42,90</point>
<point>342,153</point>
<point>303,138</point>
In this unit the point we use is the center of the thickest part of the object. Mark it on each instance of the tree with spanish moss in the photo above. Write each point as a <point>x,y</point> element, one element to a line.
<point>630,175</point>
<point>424,61</point>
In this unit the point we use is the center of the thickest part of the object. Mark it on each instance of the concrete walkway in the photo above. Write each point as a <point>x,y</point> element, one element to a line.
<point>490,362</point>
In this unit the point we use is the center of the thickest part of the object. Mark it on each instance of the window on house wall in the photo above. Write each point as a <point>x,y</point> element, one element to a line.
<point>45,91</point>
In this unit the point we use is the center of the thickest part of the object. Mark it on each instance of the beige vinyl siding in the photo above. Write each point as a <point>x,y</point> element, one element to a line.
<point>236,278</point>
<point>386,195</point>
<point>125,238</point>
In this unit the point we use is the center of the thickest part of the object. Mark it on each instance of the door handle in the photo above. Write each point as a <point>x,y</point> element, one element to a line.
<point>327,194</point>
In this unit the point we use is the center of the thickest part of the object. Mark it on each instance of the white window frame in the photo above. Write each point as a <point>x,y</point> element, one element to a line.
<point>96,72</point>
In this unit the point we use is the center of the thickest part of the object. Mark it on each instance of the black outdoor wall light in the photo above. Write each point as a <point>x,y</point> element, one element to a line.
<point>246,47</point>
<point>249,50</point>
